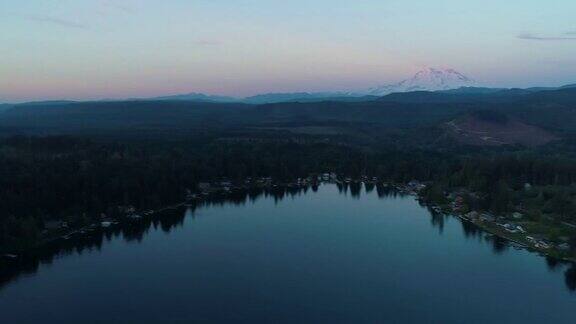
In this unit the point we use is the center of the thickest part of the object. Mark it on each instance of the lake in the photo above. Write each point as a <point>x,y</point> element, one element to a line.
<point>317,256</point>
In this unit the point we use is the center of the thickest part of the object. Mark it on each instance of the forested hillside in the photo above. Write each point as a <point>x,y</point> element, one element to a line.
<point>151,153</point>
<point>552,110</point>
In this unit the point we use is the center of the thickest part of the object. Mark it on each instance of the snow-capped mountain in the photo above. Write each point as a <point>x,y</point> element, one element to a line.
<point>430,79</point>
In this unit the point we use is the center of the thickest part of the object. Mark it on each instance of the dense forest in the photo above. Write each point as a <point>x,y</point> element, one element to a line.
<point>80,181</point>
<point>78,162</point>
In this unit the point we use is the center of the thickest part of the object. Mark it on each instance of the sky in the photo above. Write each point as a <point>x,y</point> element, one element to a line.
<point>95,49</point>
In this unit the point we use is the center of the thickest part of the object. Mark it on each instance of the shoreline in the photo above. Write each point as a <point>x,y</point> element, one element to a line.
<point>492,228</point>
<point>225,192</point>
<point>85,230</point>
<point>132,216</point>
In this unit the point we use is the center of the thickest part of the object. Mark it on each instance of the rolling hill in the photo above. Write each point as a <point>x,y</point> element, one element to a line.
<point>536,117</point>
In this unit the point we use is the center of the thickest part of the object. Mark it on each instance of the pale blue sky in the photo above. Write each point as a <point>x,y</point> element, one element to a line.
<point>86,49</point>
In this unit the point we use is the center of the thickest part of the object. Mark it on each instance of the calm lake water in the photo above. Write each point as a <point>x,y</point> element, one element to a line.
<point>324,256</point>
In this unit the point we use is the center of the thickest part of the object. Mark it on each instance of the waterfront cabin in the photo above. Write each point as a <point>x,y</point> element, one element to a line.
<point>487,217</point>
<point>510,228</point>
<point>473,215</point>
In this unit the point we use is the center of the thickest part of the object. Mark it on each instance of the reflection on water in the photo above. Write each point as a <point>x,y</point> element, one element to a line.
<point>167,221</point>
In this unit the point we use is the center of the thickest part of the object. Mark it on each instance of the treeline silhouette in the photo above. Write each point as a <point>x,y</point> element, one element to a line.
<point>76,180</point>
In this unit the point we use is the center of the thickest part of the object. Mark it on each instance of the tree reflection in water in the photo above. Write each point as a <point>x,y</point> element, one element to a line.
<point>30,262</point>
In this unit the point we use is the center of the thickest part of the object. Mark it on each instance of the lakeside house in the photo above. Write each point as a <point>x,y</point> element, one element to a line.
<point>416,185</point>
<point>511,228</point>
<point>473,215</point>
<point>458,204</point>
<point>225,185</point>
<point>487,217</point>
<point>542,245</point>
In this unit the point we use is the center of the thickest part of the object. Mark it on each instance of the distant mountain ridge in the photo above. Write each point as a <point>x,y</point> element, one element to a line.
<point>305,97</point>
<point>195,96</point>
<point>428,84</point>
<point>430,79</point>
<point>515,116</point>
